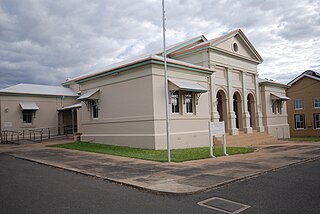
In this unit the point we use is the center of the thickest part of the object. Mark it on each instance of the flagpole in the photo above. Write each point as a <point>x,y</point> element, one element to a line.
<point>166,80</point>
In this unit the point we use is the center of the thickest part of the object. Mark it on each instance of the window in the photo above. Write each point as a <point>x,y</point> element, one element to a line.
<point>27,116</point>
<point>175,102</point>
<point>277,107</point>
<point>316,118</point>
<point>299,121</point>
<point>298,104</point>
<point>94,109</point>
<point>235,47</point>
<point>316,103</point>
<point>189,102</point>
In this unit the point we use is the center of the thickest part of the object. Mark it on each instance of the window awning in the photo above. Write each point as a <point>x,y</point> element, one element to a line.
<point>29,106</point>
<point>279,97</point>
<point>182,85</point>
<point>77,105</point>
<point>89,95</point>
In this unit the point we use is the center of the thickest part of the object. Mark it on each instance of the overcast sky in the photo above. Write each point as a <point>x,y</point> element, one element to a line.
<point>44,42</point>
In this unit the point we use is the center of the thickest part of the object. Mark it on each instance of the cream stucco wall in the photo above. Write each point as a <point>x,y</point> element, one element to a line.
<point>46,116</point>
<point>235,72</point>
<point>186,130</point>
<point>275,124</point>
<point>132,111</point>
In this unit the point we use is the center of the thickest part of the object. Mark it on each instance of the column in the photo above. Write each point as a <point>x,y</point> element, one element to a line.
<point>260,127</point>
<point>231,114</point>
<point>246,116</point>
<point>214,115</point>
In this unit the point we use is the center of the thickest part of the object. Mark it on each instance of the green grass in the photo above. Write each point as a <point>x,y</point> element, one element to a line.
<point>177,155</point>
<point>305,138</point>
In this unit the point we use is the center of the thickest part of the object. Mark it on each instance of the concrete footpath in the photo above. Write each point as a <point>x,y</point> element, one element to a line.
<point>179,178</point>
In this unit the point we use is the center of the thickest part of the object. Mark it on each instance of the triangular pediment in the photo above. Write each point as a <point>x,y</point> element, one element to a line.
<point>238,44</point>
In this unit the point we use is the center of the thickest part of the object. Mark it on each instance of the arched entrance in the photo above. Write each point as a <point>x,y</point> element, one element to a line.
<point>251,110</point>
<point>222,107</point>
<point>237,108</point>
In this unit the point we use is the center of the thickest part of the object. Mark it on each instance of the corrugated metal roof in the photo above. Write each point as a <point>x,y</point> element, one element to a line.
<point>39,90</point>
<point>279,97</point>
<point>29,106</point>
<point>88,94</point>
<point>188,86</point>
<point>134,61</point>
<point>77,105</point>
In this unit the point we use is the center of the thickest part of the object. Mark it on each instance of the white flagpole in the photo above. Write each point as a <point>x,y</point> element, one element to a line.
<point>166,80</point>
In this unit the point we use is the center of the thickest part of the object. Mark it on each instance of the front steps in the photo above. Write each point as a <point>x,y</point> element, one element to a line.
<point>255,138</point>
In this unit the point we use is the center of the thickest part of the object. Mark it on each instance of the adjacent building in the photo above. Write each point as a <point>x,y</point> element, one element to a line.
<point>34,107</point>
<point>304,104</point>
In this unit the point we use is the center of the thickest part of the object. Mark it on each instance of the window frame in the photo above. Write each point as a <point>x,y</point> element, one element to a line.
<point>296,102</point>
<point>192,99</point>
<point>302,122</point>
<point>277,106</point>
<point>316,121</point>
<point>30,115</point>
<point>94,109</point>
<point>177,97</point>
<point>316,101</point>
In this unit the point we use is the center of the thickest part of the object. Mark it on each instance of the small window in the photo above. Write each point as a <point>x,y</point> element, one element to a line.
<point>175,102</point>
<point>189,102</point>
<point>299,121</point>
<point>277,107</point>
<point>316,103</point>
<point>316,121</point>
<point>94,109</point>
<point>298,104</point>
<point>235,47</point>
<point>27,116</point>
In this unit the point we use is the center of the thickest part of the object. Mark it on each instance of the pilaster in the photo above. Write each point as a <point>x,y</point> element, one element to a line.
<point>231,114</point>
<point>260,127</point>
<point>246,116</point>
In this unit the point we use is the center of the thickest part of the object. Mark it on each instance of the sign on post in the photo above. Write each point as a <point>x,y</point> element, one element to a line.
<point>217,129</point>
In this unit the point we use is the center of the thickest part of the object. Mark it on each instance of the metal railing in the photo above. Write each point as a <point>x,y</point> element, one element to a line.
<point>35,134</point>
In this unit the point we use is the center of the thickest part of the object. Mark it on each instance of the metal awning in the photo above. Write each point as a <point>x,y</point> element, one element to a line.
<point>279,97</point>
<point>29,106</point>
<point>77,105</point>
<point>89,95</point>
<point>183,85</point>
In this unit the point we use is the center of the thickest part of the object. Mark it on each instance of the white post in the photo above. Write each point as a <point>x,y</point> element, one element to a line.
<point>210,140</point>
<point>166,80</point>
<point>225,145</point>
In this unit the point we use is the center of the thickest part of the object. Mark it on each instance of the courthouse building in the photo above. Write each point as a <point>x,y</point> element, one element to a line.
<point>208,80</point>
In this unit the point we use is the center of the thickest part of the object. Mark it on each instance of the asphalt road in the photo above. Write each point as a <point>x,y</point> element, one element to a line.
<point>27,187</point>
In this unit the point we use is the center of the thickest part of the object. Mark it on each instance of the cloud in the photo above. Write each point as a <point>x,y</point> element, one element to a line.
<point>45,42</point>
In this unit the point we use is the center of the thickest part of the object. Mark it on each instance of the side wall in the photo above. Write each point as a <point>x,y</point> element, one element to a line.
<point>276,124</point>
<point>132,110</point>
<point>46,116</point>
<point>125,110</point>
<point>186,130</point>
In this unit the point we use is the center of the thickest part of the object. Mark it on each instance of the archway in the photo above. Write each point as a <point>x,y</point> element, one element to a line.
<point>251,110</point>
<point>237,108</point>
<point>222,107</point>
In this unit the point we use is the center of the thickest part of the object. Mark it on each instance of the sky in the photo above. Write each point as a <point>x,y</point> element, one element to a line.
<point>45,42</point>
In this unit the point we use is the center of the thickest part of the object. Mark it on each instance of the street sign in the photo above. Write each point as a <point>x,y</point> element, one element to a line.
<point>217,129</point>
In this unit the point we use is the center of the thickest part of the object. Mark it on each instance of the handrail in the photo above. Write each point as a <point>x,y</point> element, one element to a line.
<point>13,136</point>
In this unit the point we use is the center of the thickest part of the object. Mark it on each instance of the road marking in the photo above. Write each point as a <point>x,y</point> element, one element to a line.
<point>223,205</point>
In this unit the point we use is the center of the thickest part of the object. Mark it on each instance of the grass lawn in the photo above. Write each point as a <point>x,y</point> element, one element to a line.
<point>177,155</point>
<point>305,138</point>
